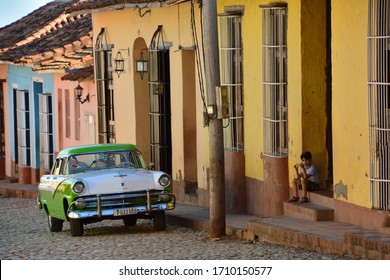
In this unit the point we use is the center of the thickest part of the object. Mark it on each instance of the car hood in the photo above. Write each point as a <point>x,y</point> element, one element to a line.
<point>118,180</point>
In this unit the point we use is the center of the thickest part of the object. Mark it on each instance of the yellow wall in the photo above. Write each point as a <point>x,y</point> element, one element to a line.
<point>307,90</point>
<point>252,88</point>
<point>313,56</point>
<point>350,97</point>
<point>306,82</point>
<point>294,87</point>
<point>306,86</point>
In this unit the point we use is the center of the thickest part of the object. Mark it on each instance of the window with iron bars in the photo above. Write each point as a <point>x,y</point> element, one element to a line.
<point>23,128</point>
<point>2,121</point>
<point>46,131</point>
<point>274,48</point>
<point>231,78</point>
<point>105,94</point>
<point>379,102</point>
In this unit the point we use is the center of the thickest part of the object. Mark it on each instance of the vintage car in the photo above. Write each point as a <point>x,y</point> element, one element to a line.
<point>88,184</point>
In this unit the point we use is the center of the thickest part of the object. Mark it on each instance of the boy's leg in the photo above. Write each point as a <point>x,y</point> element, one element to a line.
<point>304,187</point>
<point>294,184</point>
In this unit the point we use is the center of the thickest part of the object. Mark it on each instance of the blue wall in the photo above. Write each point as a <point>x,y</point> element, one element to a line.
<point>23,78</point>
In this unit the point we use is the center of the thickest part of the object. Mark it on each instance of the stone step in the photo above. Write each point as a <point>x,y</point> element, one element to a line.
<point>308,211</point>
<point>323,198</point>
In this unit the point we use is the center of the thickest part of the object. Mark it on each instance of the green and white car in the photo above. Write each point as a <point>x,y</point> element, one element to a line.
<point>88,184</point>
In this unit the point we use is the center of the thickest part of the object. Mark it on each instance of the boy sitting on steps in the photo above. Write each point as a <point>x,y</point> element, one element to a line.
<point>308,179</point>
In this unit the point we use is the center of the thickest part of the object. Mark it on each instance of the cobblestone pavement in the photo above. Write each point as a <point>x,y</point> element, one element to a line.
<point>24,234</point>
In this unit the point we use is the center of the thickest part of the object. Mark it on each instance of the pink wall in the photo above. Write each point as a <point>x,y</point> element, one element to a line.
<point>86,109</point>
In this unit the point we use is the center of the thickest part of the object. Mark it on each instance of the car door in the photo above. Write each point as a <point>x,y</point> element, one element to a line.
<point>49,189</point>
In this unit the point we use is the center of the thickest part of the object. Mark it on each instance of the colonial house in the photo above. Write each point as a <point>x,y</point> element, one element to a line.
<point>39,58</point>
<point>312,75</point>
<point>299,75</point>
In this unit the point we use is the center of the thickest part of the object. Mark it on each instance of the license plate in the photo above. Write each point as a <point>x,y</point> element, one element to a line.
<point>125,211</point>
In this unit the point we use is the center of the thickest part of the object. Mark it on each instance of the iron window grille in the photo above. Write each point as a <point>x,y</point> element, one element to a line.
<point>23,128</point>
<point>231,78</point>
<point>274,49</point>
<point>379,102</point>
<point>160,103</point>
<point>105,89</point>
<point>46,131</point>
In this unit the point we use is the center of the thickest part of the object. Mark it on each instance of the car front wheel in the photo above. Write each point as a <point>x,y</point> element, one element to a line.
<point>55,225</point>
<point>76,227</point>
<point>159,220</point>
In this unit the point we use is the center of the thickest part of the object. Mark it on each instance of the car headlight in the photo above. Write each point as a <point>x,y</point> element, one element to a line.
<point>164,180</point>
<point>78,188</point>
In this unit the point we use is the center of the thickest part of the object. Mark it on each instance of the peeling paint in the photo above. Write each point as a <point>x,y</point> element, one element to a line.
<point>341,190</point>
<point>179,176</point>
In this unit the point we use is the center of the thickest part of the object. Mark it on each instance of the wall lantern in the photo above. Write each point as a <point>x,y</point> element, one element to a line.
<point>119,62</point>
<point>142,66</point>
<point>79,93</point>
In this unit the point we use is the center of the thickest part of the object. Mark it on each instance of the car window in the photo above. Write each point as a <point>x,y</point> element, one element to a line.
<point>100,160</point>
<point>58,166</point>
<point>138,159</point>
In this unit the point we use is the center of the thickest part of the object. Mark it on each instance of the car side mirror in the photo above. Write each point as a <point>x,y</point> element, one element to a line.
<point>151,166</point>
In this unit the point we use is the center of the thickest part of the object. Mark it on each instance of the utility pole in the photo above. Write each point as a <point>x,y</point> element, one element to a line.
<point>217,173</point>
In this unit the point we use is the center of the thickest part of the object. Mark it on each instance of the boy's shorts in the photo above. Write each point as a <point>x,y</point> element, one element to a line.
<point>311,186</point>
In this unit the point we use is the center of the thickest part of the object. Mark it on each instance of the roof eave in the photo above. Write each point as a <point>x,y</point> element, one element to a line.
<point>117,7</point>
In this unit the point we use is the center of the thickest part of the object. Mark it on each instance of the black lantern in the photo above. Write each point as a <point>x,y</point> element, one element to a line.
<point>142,66</point>
<point>119,64</point>
<point>79,93</point>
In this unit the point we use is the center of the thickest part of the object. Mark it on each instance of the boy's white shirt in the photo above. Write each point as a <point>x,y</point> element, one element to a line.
<point>312,173</point>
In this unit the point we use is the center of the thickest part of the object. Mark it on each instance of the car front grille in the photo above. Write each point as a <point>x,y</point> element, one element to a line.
<point>130,201</point>
<point>114,200</point>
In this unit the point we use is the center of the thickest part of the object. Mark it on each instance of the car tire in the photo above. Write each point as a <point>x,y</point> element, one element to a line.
<point>130,221</point>
<point>55,225</point>
<point>76,227</point>
<point>159,220</point>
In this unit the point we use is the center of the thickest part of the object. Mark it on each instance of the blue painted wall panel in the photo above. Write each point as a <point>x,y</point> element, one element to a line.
<point>23,78</point>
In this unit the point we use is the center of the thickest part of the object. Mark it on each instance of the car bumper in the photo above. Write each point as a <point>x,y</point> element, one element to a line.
<point>122,209</point>
<point>107,213</point>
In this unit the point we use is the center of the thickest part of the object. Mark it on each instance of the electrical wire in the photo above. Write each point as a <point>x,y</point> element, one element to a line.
<point>197,53</point>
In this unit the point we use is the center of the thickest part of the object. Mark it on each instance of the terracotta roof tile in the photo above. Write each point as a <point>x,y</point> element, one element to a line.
<point>35,24</point>
<point>78,74</point>
<point>63,45</point>
<point>49,38</point>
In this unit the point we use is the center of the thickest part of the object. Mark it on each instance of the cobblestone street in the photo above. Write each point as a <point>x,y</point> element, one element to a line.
<point>24,234</point>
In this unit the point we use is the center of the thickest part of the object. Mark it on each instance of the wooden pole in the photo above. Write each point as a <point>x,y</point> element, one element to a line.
<point>217,173</point>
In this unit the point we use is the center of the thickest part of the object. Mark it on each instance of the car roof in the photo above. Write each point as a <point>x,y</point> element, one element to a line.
<point>96,148</point>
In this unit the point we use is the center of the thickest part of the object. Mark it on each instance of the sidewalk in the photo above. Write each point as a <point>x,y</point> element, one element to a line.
<point>324,237</point>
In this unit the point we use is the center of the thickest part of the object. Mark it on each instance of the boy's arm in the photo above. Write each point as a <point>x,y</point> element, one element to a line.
<point>304,174</point>
<point>296,170</point>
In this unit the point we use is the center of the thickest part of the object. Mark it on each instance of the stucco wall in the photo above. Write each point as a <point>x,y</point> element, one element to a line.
<point>306,58</point>
<point>22,78</point>
<point>350,97</point>
<point>90,108</point>
<point>123,28</point>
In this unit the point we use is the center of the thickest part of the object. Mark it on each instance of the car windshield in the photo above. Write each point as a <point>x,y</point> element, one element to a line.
<point>104,160</point>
